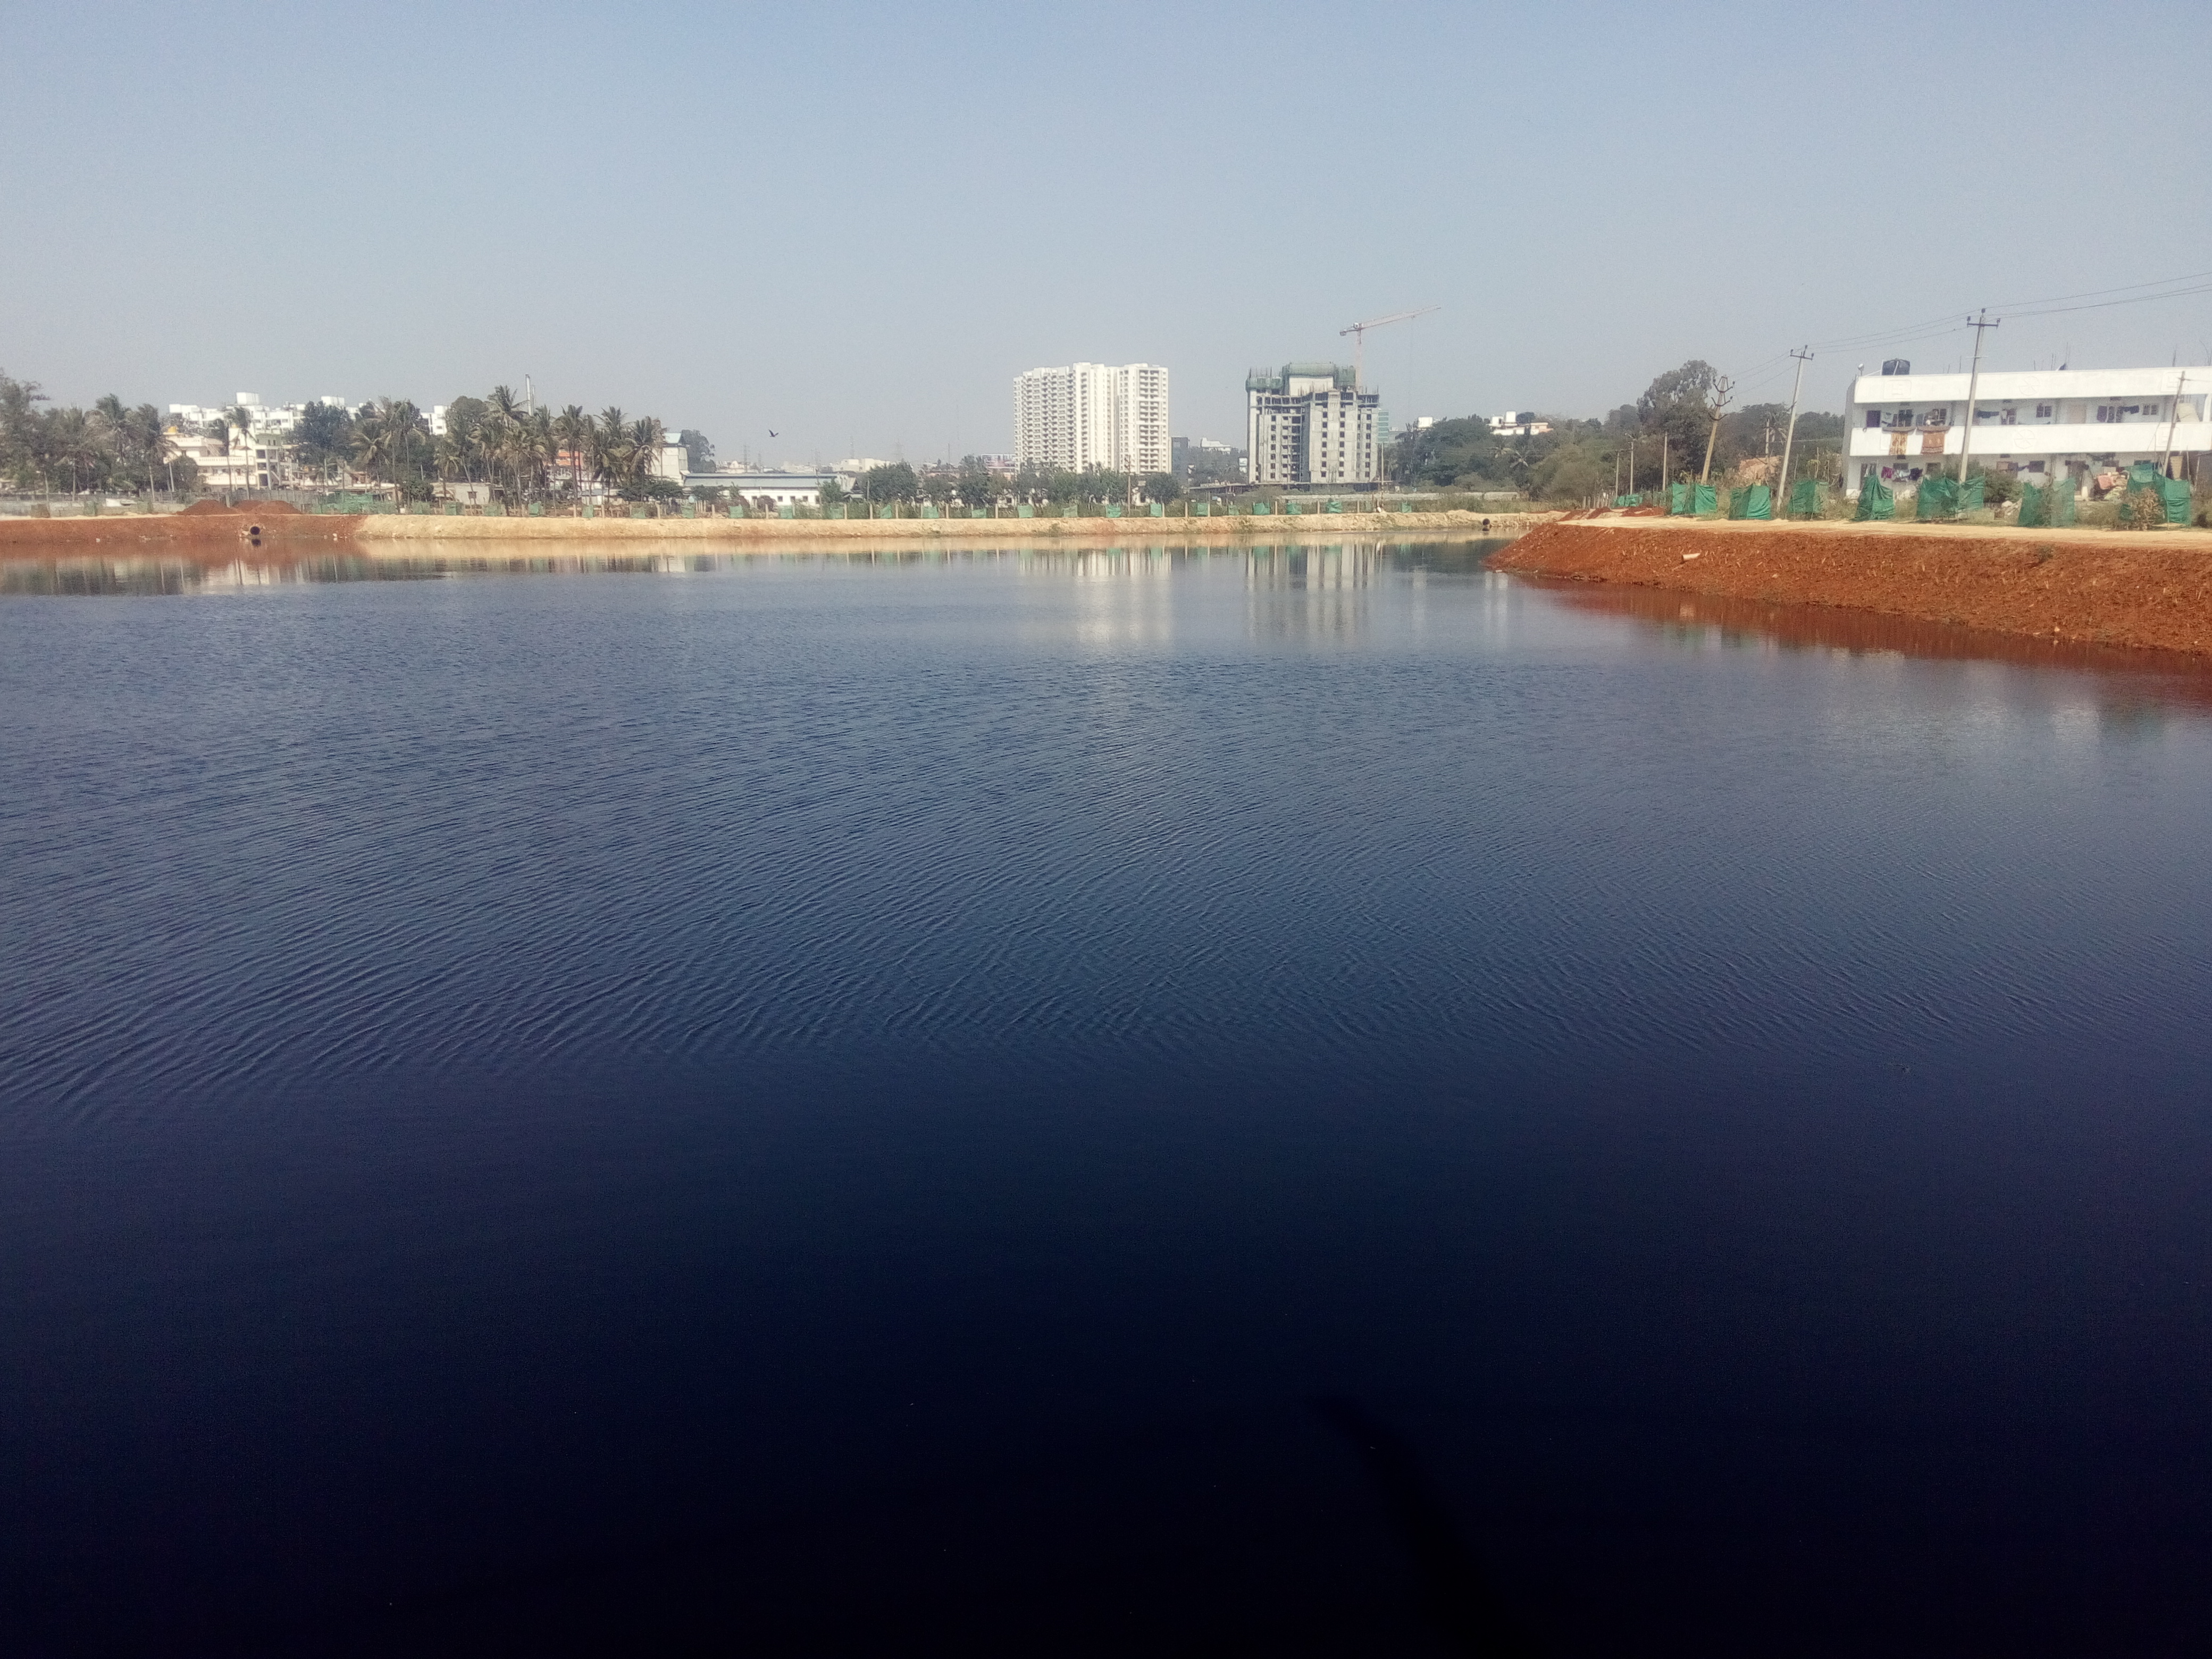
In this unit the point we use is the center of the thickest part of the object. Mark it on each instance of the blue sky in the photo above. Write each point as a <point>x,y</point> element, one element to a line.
<point>853,225</point>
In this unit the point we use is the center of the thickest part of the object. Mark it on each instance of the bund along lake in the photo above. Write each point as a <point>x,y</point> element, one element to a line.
<point>1318,1101</point>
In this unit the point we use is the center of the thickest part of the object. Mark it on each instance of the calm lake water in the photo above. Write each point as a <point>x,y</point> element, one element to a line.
<point>1321,1101</point>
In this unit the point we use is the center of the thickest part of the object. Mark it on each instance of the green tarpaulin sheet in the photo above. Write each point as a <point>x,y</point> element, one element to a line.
<point>1876,501</point>
<point>1939,500</point>
<point>1752,501</point>
<point>2170,496</point>
<point>2173,495</point>
<point>1704,499</point>
<point>1971,497</point>
<point>1678,498</point>
<point>1805,499</point>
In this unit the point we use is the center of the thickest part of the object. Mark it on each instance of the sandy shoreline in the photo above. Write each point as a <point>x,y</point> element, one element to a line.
<point>2148,589</point>
<point>396,534</point>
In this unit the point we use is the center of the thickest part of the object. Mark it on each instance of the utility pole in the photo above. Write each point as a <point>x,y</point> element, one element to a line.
<point>1804,355</point>
<point>1973,381</point>
<point>2165,466</point>
<point>1721,393</point>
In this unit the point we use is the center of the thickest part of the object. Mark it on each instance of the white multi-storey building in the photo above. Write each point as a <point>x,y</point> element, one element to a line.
<point>1309,423</point>
<point>1900,426</point>
<point>1088,415</point>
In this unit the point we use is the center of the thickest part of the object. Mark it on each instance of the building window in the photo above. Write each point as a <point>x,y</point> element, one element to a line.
<point>1874,420</point>
<point>1939,417</point>
<point>2042,411</point>
<point>2108,413</point>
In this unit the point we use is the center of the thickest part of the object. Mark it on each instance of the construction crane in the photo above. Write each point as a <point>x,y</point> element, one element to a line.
<point>1358,332</point>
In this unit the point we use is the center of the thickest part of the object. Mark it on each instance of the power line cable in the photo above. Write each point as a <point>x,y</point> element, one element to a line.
<point>2098,292</point>
<point>2101,305</point>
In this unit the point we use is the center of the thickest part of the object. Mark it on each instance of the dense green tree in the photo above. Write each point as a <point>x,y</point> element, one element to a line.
<point>895,481</point>
<point>1576,470</point>
<point>1674,417</point>
<point>976,484</point>
<point>1161,487</point>
<point>322,442</point>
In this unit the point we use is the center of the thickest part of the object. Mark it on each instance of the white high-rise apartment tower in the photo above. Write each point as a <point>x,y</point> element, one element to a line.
<point>1091,415</point>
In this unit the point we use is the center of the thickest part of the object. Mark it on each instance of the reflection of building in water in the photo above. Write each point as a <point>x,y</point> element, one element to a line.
<point>1310,591</point>
<point>1123,564</point>
<point>1124,595</point>
<point>1341,565</point>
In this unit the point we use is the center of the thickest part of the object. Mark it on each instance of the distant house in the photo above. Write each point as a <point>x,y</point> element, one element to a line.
<point>1899,425</point>
<point>1517,423</point>
<point>766,489</point>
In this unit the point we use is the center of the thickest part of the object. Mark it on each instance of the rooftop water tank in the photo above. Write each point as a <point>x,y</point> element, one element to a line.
<point>1897,365</point>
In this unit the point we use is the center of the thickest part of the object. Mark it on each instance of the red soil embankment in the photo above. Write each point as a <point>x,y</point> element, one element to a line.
<point>202,530</point>
<point>2115,587</point>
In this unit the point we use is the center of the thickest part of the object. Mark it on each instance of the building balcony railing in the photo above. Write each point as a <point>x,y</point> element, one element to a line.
<point>2088,438</point>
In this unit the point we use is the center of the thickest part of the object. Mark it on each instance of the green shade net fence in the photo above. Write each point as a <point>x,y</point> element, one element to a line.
<point>1806,499</point>
<point>1939,501</point>
<point>1704,499</point>
<point>1876,501</point>
<point>1678,498</point>
<point>1973,494</point>
<point>2046,506</point>
<point>1752,501</point>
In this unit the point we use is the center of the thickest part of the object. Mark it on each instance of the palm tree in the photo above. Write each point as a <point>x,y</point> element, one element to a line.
<point>148,443</point>
<point>386,438</point>
<point>544,449</point>
<point>503,426</point>
<point>572,434</point>
<point>75,440</point>
<point>237,423</point>
<point>610,444</point>
<point>646,438</point>
<point>111,422</point>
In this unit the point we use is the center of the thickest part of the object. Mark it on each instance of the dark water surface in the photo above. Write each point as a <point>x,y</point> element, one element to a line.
<point>1321,1102</point>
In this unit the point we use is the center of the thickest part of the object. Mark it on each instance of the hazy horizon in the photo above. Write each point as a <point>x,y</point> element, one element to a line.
<point>854,227</point>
